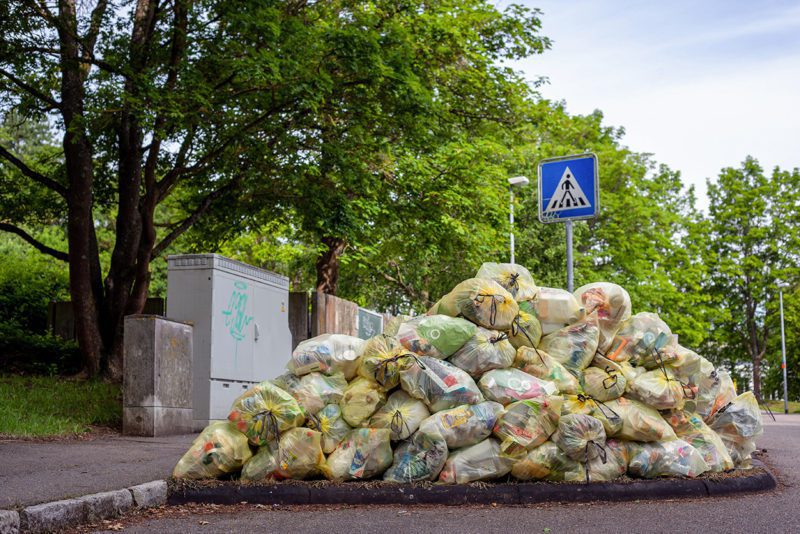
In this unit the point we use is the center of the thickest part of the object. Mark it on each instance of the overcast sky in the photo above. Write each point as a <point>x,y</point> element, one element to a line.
<point>700,84</point>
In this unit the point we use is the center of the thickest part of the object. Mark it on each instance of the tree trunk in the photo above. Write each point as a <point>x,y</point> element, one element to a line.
<point>328,265</point>
<point>757,377</point>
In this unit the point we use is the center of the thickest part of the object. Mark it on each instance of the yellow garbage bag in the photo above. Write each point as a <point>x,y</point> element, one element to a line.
<point>611,463</point>
<point>464,425</point>
<point>392,326</point>
<point>580,436</point>
<point>639,421</point>
<point>545,462</point>
<point>691,428</point>
<point>514,278</point>
<point>510,385</point>
<point>739,423</point>
<point>418,459</point>
<point>726,392</point>
<point>382,359</point>
<point>327,354</point>
<point>218,450</point>
<point>638,337</point>
<point>665,458</point>
<point>330,423</point>
<point>439,384</point>
<point>486,350</point>
<point>587,405</point>
<point>603,384</point>
<point>526,330</point>
<point>362,398</point>
<point>483,302</point>
<point>574,346</point>
<point>556,308</point>
<point>660,389</point>
<point>437,336</point>
<point>314,390</point>
<point>528,423</point>
<point>482,461</point>
<point>365,453</point>
<point>264,411</point>
<point>298,456</point>
<point>401,414</point>
<point>538,363</point>
<point>612,304</point>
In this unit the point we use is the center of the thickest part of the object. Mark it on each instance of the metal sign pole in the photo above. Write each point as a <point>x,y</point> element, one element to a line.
<point>783,351</point>
<point>511,220</point>
<point>569,256</point>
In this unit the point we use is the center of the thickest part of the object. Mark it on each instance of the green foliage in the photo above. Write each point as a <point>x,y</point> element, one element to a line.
<point>33,406</point>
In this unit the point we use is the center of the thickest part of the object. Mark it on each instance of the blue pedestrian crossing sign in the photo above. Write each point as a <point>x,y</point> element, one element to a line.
<point>568,188</point>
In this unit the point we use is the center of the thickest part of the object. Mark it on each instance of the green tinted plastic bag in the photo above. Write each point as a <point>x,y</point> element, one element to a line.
<point>401,414</point>
<point>486,350</point>
<point>526,330</point>
<point>365,453</point>
<point>218,450</point>
<point>574,346</point>
<point>264,411</point>
<point>482,461</point>
<point>464,425</point>
<point>437,336</point>
<point>439,384</point>
<point>538,363</point>
<point>514,278</point>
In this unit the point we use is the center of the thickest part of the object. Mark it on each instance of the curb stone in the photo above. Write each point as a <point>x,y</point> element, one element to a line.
<point>107,504</point>
<point>53,516</point>
<point>9,522</point>
<point>150,494</point>
<point>513,494</point>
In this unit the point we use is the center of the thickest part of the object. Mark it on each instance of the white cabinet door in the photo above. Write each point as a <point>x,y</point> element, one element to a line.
<point>274,345</point>
<point>233,323</point>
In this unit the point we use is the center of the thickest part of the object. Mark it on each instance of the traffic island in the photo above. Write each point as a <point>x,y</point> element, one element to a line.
<point>507,492</point>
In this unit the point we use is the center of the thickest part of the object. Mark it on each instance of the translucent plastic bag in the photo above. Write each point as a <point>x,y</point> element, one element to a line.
<point>665,458</point>
<point>726,392</point>
<point>691,428</point>
<point>486,350</point>
<point>264,411</point>
<point>510,385</point>
<point>639,422</point>
<point>603,384</point>
<point>514,278</point>
<point>439,384</point>
<point>587,405</point>
<point>464,425</point>
<point>364,453</point>
<point>361,399</point>
<point>739,424</point>
<point>574,346</point>
<point>526,330</point>
<point>660,389</point>
<point>612,304</point>
<point>331,425</point>
<point>538,363</point>
<point>640,336</point>
<point>382,360</point>
<point>327,354</point>
<point>298,456</point>
<point>580,436</point>
<point>483,302</point>
<point>437,336</point>
<point>556,308</point>
<point>401,414</point>
<point>218,450</point>
<point>314,390</point>
<point>610,464</point>
<point>417,459</point>
<point>545,462</point>
<point>392,326</point>
<point>482,461</point>
<point>528,423</point>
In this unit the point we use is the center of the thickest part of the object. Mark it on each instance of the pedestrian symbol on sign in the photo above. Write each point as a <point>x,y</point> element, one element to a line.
<point>568,195</point>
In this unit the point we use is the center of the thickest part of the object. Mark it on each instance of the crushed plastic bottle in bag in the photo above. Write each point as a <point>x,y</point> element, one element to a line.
<point>691,428</point>
<point>638,337</point>
<point>639,421</point>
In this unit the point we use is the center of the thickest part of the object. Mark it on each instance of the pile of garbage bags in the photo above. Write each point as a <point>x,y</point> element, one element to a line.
<point>500,377</point>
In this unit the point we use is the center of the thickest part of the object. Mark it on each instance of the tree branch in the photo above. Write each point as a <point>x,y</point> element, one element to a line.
<point>38,245</point>
<point>31,90</point>
<point>33,175</point>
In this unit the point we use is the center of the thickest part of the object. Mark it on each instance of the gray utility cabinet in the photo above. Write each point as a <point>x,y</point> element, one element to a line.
<point>241,327</point>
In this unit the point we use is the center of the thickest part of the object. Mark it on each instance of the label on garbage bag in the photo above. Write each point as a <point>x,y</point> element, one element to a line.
<point>456,417</point>
<point>358,464</point>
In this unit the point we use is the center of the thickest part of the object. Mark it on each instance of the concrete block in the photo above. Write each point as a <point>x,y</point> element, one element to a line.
<point>150,494</point>
<point>9,522</point>
<point>157,376</point>
<point>52,516</point>
<point>107,504</point>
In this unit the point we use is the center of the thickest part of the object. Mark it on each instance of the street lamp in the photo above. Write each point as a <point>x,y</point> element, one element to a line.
<point>781,287</point>
<point>520,181</point>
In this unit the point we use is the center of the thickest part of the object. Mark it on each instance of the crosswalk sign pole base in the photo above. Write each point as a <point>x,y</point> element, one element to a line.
<point>570,281</point>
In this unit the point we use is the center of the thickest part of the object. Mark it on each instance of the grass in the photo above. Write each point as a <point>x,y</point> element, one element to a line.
<point>42,406</point>
<point>777,406</point>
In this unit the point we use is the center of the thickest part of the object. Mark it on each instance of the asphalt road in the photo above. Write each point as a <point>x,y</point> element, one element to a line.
<point>772,512</point>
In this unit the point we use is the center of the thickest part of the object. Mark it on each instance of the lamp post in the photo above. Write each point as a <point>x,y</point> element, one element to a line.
<point>520,181</point>
<point>783,353</point>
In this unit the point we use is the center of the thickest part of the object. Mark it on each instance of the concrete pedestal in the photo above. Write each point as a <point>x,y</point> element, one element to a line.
<point>157,377</point>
